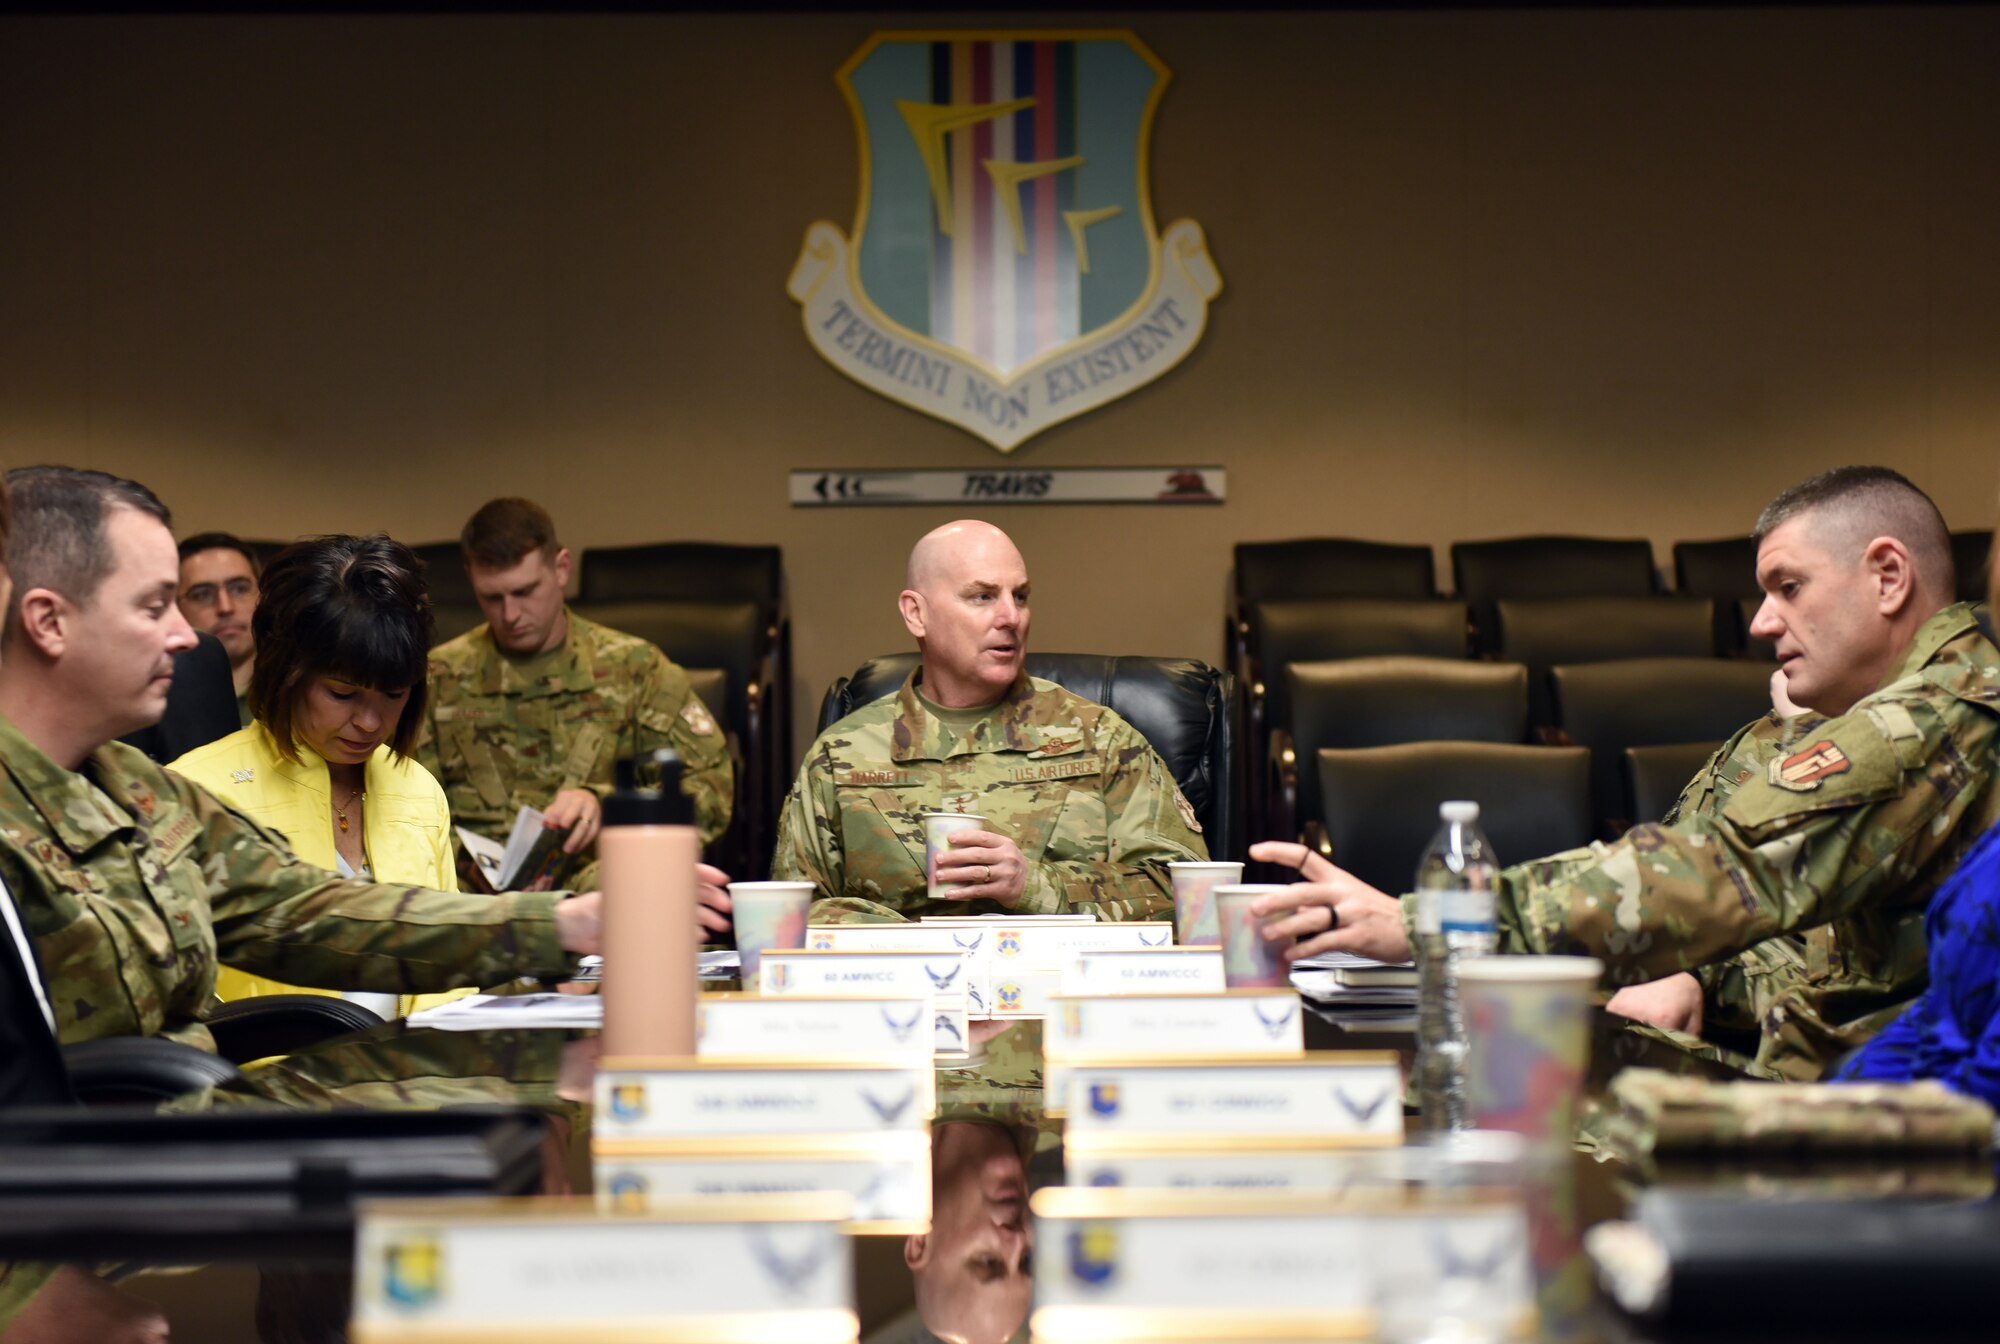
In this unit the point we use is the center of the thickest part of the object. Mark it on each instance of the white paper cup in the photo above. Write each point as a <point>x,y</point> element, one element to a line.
<point>937,827</point>
<point>1528,1019</point>
<point>768,916</point>
<point>1194,900</point>
<point>1249,960</point>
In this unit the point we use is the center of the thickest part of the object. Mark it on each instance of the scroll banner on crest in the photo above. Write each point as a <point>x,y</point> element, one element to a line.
<point>1004,271</point>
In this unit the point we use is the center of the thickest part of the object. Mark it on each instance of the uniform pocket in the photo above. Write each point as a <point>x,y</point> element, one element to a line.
<point>1081,829</point>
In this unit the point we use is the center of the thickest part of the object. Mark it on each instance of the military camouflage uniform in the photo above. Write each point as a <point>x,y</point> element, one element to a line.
<point>134,881</point>
<point>1797,868</point>
<point>505,733</point>
<point>1090,803</point>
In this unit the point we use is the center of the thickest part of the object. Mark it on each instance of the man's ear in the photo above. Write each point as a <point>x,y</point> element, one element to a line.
<point>916,1251</point>
<point>45,621</point>
<point>911,603</point>
<point>562,568</point>
<point>1894,578</point>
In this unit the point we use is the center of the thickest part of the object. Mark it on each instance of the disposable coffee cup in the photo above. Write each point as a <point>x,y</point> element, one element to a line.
<point>1528,1020</point>
<point>1194,902</point>
<point>938,827</point>
<point>1249,960</point>
<point>769,916</point>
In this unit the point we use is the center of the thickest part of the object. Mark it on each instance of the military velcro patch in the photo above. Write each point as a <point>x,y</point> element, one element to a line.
<point>697,716</point>
<point>872,779</point>
<point>1063,769</point>
<point>1186,809</point>
<point>1803,771</point>
<point>1056,746</point>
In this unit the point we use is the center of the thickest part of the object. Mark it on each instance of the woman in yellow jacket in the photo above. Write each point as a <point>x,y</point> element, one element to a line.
<point>343,633</point>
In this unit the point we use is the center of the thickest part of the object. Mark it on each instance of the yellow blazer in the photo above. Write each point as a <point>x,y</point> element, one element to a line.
<point>406,824</point>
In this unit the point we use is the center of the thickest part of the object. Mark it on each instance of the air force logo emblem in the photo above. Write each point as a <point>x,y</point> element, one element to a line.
<point>1004,272</point>
<point>1093,1253</point>
<point>1104,1099</point>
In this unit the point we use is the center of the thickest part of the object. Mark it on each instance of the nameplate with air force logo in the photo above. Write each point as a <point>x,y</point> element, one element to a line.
<point>1052,945</point>
<point>1324,1099</point>
<point>1155,1264</point>
<point>1237,1023</point>
<point>946,977</point>
<point>886,1176</point>
<point>940,939</point>
<point>511,1271</point>
<point>1155,970</point>
<point>1251,1167</point>
<point>674,1104</point>
<point>758,1026</point>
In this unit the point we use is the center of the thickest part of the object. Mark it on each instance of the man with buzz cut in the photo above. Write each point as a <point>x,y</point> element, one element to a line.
<point>1785,894</point>
<point>532,708</point>
<point>1083,813</point>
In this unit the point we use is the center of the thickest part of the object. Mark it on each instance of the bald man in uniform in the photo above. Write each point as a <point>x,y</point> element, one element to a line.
<point>1084,815</point>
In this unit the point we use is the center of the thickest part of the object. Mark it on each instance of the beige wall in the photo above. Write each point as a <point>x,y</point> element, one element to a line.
<point>1488,273</point>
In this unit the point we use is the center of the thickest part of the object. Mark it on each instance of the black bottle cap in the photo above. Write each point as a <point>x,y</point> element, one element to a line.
<point>632,805</point>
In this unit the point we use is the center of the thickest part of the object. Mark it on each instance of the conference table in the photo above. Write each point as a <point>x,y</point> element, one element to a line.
<point>299,1285</point>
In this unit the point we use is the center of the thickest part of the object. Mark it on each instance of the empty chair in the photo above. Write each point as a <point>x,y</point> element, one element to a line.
<point>1370,702</point>
<point>1532,567</point>
<point>1380,804</point>
<point>1727,571</point>
<point>1320,567</point>
<point>1546,632</point>
<point>1969,554</point>
<point>1183,707</point>
<point>454,609</point>
<point>1656,776</point>
<point>1646,702</point>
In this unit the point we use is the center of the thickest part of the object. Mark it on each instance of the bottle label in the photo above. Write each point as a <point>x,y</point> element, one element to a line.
<point>1428,919</point>
<point>1466,911</point>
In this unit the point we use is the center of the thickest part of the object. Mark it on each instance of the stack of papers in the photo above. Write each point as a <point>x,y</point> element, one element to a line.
<point>484,1012</point>
<point>1348,987</point>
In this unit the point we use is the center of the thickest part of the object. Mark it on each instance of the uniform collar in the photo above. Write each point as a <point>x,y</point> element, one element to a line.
<point>1931,638</point>
<point>569,667</point>
<point>1012,723</point>
<point>80,816</point>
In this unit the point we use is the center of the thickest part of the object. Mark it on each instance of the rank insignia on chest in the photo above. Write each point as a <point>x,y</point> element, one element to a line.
<point>1803,771</point>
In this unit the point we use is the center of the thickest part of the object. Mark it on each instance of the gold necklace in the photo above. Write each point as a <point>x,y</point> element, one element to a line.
<point>341,812</point>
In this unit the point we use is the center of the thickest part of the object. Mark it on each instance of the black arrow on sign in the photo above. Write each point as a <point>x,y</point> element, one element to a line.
<point>819,487</point>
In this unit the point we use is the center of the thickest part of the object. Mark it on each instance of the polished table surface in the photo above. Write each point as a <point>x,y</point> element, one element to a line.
<point>297,1290</point>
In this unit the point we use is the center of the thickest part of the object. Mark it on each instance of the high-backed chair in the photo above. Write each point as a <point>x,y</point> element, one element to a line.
<point>1539,567</point>
<point>1184,708</point>
<point>1645,702</point>
<point>727,637</point>
<point>1315,568</point>
<point>1656,776</point>
<point>201,704</point>
<point>1725,570</point>
<point>454,610</point>
<point>1372,702</point>
<point>1970,552</point>
<point>1313,630</point>
<point>1381,803</point>
<point>1545,632</point>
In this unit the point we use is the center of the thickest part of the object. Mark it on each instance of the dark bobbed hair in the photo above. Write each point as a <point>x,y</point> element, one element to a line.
<point>355,608</point>
<point>219,541</point>
<point>504,530</point>
<point>56,540</point>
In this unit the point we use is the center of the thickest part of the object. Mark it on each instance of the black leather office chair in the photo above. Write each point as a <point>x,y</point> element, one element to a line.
<point>1184,708</point>
<point>201,704</point>
<point>454,610</point>
<point>1318,567</point>
<point>1372,702</point>
<point>1725,570</point>
<point>1546,632</point>
<point>1381,803</point>
<point>1646,702</point>
<point>141,1070</point>
<point>1539,567</point>
<point>280,1024</point>
<point>1655,776</point>
<point>1970,552</point>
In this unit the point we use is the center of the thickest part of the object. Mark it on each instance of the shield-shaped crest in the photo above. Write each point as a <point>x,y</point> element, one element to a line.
<point>1072,1020</point>
<point>1007,944</point>
<point>1004,272</point>
<point>822,941</point>
<point>628,1101</point>
<point>628,1191</point>
<point>778,973</point>
<point>1009,997</point>
<point>1104,1099</point>
<point>413,1271</point>
<point>1093,1253</point>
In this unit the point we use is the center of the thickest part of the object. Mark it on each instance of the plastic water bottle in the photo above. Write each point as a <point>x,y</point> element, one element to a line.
<point>1455,920</point>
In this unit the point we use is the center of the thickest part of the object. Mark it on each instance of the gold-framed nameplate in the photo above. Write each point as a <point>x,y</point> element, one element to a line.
<point>759,1269</point>
<point>1323,1099</point>
<point>886,1176</point>
<point>1236,1023</point>
<point>1176,970</point>
<point>1156,1265</point>
<point>676,1104</point>
<point>943,977</point>
<point>759,1026</point>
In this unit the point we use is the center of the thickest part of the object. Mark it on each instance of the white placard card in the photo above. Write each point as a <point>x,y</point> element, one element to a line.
<point>1332,1098</point>
<point>943,938</point>
<point>1242,1023</point>
<point>1162,970</point>
<point>515,1271</point>
<point>1323,1171</point>
<point>1139,1265</point>
<point>1085,918</point>
<point>888,1178</point>
<point>688,1105</point>
<point>1020,991</point>
<point>903,973</point>
<point>755,1026</point>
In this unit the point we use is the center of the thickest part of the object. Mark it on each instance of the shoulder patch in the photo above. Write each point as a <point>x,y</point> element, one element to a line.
<point>1804,771</point>
<point>1186,810</point>
<point>697,716</point>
